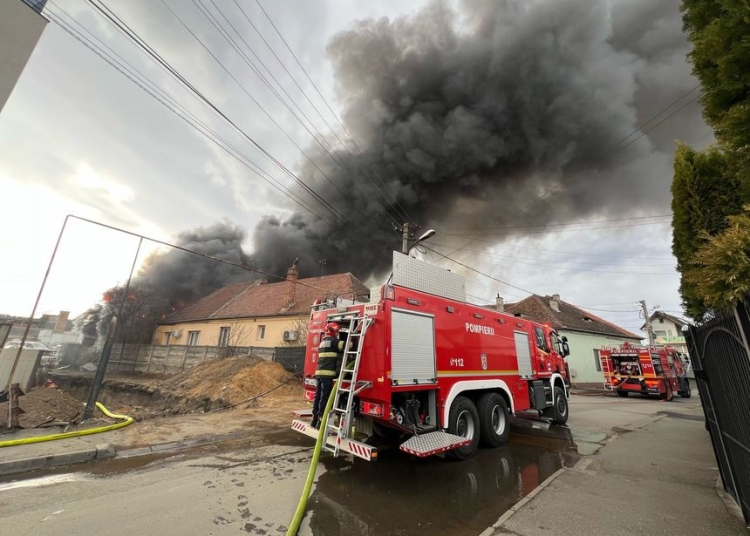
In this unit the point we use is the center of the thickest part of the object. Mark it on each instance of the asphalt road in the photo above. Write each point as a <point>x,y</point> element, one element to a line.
<point>238,488</point>
<point>252,487</point>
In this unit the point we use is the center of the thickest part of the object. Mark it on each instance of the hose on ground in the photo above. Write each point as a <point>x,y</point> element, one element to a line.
<point>302,505</point>
<point>124,421</point>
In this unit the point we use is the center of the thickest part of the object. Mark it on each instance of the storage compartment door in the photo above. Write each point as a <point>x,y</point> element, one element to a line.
<point>412,348</point>
<point>523,352</point>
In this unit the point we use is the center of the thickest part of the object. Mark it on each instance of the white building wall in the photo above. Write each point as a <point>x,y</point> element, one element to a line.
<point>20,29</point>
<point>583,362</point>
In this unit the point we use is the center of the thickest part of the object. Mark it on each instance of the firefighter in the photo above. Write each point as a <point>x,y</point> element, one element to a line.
<point>330,357</point>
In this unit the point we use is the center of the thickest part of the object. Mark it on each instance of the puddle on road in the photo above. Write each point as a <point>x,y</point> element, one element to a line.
<point>400,494</point>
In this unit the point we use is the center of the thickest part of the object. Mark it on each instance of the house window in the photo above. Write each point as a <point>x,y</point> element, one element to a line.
<point>167,337</point>
<point>193,337</point>
<point>597,360</point>
<point>261,332</point>
<point>224,336</point>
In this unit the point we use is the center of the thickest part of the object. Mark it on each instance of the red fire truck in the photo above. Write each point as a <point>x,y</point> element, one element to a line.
<point>646,371</point>
<point>441,373</point>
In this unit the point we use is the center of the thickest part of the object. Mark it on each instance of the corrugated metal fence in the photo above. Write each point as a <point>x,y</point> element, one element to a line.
<point>721,360</point>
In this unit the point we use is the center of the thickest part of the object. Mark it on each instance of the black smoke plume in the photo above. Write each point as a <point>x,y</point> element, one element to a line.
<point>167,281</point>
<point>182,277</point>
<point>469,116</point>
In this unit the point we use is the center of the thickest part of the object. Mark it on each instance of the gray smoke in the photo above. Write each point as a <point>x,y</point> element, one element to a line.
<point>469,116</point>
<point>182,278</point>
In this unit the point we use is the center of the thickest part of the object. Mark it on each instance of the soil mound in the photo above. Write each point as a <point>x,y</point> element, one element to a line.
<point>43,405</point>
<point>232,381</point>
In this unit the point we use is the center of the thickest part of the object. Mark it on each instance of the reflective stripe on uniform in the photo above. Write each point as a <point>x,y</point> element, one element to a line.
<point>330,373</point>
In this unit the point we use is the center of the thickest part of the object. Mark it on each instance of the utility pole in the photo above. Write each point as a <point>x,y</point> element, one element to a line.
<point>646,316</point>
<point>405,239</point>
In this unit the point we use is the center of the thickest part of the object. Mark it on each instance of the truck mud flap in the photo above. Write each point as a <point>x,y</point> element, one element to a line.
<point>356,448</point>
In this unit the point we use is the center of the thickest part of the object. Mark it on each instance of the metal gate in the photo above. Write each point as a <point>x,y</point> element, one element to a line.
<point>721,360</point>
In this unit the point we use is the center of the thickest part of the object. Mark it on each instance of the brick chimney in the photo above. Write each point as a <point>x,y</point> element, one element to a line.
<point>292,274</point>
<point>499,303</point>
<point>554,303</point>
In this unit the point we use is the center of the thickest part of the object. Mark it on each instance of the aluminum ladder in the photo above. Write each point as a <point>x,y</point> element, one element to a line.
<point>347,383</point>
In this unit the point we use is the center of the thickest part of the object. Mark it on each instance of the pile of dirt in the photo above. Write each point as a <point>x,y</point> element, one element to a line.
<point>231,381</point>
<point>43,405</point>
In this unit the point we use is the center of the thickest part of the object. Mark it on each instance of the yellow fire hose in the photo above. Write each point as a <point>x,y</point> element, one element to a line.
<point>125,420</point>
<point>300,513</point>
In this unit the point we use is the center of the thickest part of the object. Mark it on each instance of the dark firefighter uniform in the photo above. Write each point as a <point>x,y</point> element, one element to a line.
<point>330,356</point>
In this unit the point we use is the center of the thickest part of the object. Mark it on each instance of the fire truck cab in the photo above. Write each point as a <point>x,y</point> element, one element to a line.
<point>646,371</point>
<point>435,372</point>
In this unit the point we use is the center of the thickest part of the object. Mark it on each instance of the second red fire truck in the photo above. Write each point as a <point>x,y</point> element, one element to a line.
<point>436,372</point>
<point>657,371</point>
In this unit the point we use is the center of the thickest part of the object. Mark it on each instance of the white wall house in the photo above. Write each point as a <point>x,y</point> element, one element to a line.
<point>586,334</point>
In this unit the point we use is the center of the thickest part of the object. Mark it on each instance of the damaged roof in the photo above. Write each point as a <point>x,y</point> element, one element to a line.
<point>568,316</point>
<point>261,299</point>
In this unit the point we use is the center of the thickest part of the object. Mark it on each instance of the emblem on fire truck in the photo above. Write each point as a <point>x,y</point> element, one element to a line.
<point>484,361</point>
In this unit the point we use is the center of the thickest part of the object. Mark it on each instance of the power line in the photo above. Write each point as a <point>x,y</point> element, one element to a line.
<point>225,34</point>
<point>320,94</point>
<point>565,185</point>
<point>579,254</point>
<point>642,125</point>
<point>133,36</point>
<point>270,117</point>
<point>555,267</point>
<point>485,233</point>
<point>536,260</point>
<point>171,104</point>
<point>477,271</point>
<point>553,224</point>
<point>113,19</point>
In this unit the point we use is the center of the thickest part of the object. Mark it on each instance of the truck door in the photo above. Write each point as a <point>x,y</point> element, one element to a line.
<point>412,348</point>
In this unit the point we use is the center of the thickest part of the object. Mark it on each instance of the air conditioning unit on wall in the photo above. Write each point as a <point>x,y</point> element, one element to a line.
<point>290,336</point>
<point>177,333</point>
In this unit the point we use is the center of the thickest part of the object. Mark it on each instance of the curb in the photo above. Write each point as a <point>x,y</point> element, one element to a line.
<point>105,450</point>
<point>490,531</point>
<point>731,506</point>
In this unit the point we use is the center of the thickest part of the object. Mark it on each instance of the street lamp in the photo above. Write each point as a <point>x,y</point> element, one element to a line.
<point>426,236</point>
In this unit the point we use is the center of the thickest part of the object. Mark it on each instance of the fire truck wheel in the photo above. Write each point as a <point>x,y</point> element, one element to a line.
<point>463,421</point>
<point>560,409</point>
<point>686,393</point>
<point>622,393</point>
<point>494,420</point>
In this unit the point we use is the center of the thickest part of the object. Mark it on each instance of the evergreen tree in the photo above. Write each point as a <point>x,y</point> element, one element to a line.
<point>713,184</point>
<point>703,195</point>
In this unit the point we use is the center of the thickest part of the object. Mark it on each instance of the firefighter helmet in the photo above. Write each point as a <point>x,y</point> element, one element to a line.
<point>332,328</point>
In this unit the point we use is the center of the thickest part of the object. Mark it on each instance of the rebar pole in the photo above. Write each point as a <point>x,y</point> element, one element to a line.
<point>107,349</point>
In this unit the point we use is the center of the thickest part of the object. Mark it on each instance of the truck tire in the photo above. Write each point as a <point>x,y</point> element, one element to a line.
<point>463,420</point>
<point>686,393</point>
<point>622,394</point>
<point>560,408</point>
<point>494,420</point>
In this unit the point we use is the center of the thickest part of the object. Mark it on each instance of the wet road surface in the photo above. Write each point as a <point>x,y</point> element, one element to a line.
<point>253,488</point>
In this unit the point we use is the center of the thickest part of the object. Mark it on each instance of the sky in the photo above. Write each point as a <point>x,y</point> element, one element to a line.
<point>77,137</point>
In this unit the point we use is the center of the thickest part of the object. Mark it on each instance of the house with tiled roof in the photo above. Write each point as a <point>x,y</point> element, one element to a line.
<point>586,333</point>
<point>256,313</point>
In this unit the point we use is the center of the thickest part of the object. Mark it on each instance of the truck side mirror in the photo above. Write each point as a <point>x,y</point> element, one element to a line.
<point>566,348</point>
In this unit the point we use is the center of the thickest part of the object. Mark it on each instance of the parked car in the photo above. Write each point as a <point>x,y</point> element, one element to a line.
<point>31,345</point>
<point>49,355</point>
